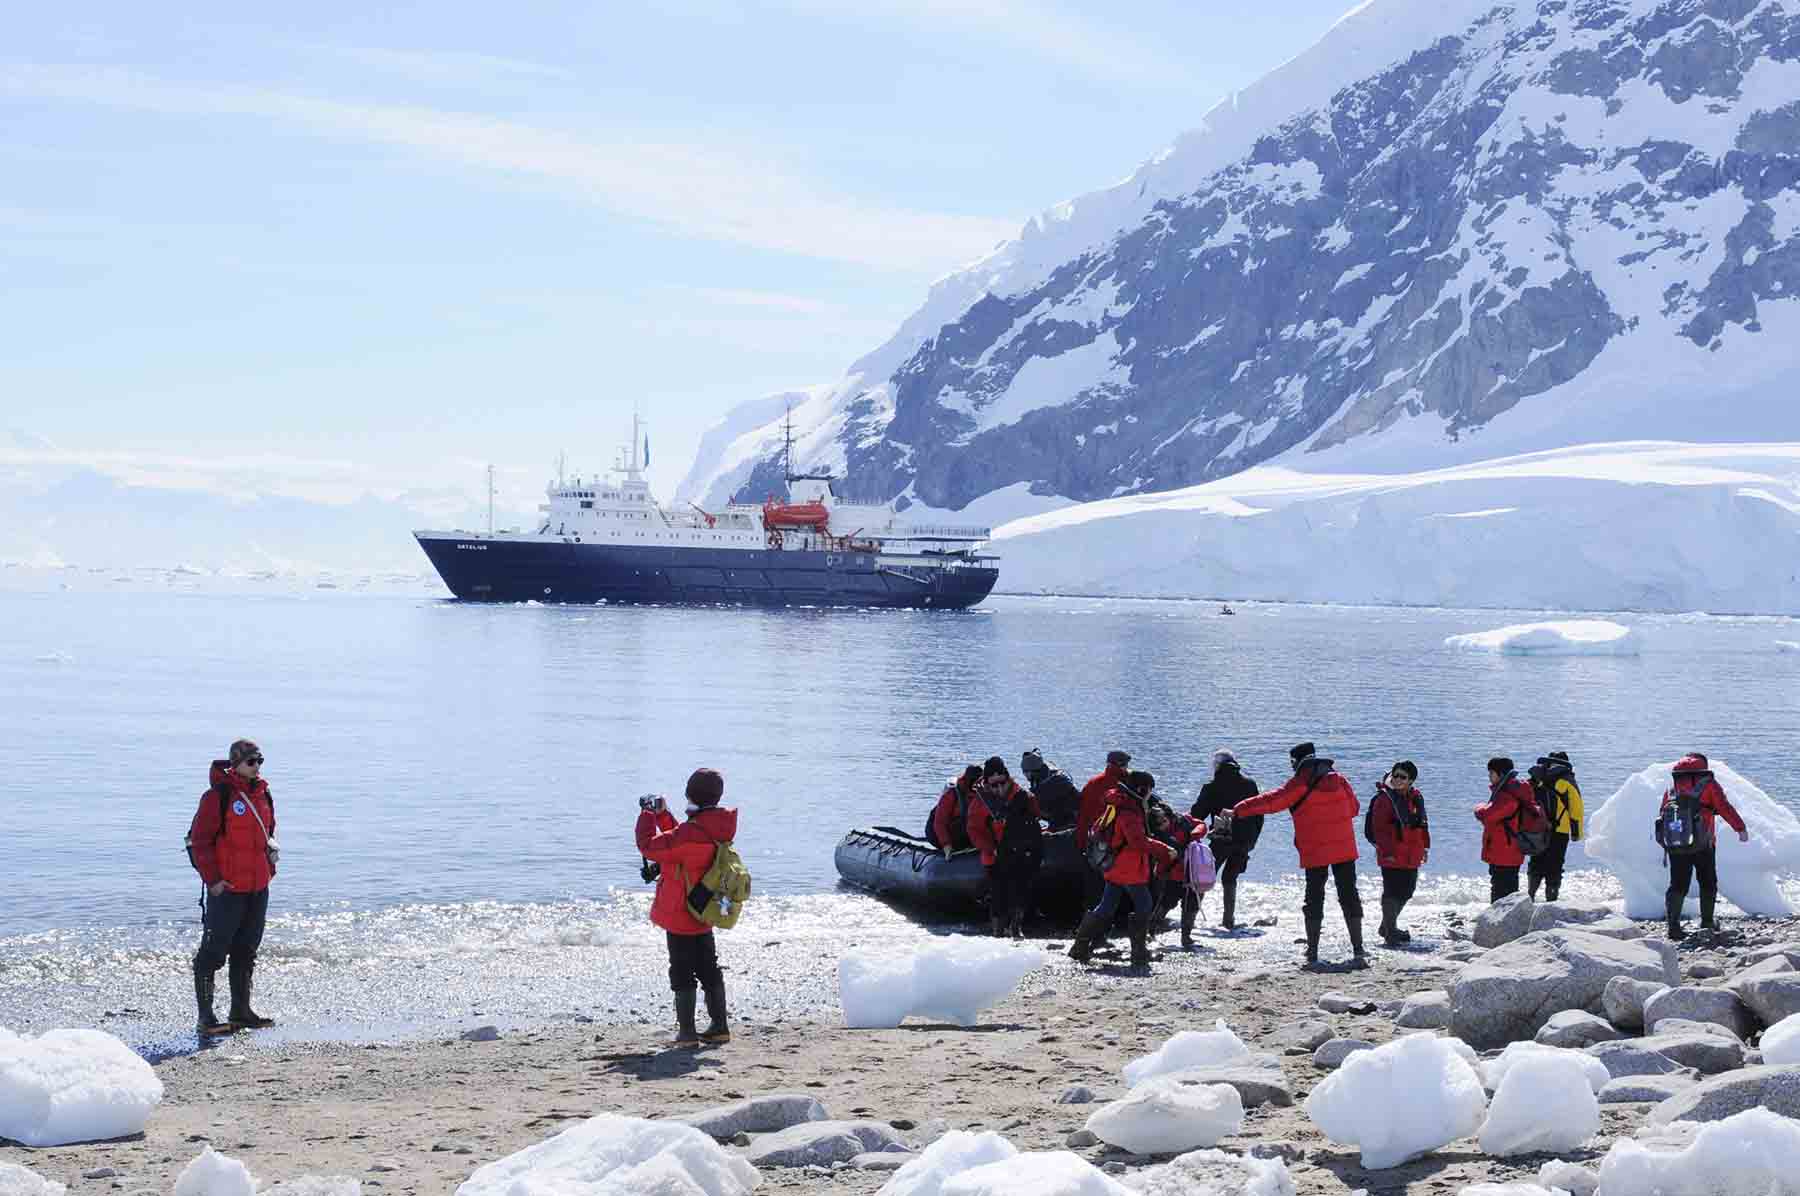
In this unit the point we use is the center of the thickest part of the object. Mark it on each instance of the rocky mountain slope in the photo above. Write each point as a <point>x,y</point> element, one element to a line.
<point>1452,229</point>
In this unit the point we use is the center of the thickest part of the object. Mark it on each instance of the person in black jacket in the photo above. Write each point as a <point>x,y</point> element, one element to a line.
<point>1057,795</point>
<point>1232,839</point>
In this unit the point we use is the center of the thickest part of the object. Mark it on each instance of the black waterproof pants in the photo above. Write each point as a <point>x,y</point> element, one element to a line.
<point>1010,882</point>
<point>1398,884</point>
<point>1502,882</point>
<point>693,962</point>
<point>234,929</point>
<point>1345,876</point>
<point>1546,867</point>
<point>1683,869</point>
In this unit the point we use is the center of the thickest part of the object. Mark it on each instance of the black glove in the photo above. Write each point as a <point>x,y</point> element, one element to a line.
<point>650,871</point>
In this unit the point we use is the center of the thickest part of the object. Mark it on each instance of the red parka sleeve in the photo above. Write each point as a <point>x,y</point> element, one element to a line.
<point>1272,802</point>
<point>1502,806</point>
<point>1715,797</point>
<point>943,818</point>
<point>981,829</point>
<point>203,836</point>
<point>654,831</point>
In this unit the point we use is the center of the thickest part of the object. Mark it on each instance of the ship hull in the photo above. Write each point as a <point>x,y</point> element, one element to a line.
<point>484,569</point>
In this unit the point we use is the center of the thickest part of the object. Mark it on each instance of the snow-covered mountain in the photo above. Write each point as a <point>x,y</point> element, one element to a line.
<point>1453,229</point>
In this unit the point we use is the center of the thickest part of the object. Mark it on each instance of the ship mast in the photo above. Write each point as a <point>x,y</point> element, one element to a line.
<point>490,500</point>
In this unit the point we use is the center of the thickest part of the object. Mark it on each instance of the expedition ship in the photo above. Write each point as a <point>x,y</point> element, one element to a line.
<point>608,540</point>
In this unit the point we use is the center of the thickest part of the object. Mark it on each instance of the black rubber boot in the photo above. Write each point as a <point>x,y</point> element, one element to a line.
<point>997,925</point>
<point>685,1034</point>
<point>1017,926</point>
<point>1400,936</point>
<point>1385,931</point>
<point>1082,949</point>
<point>1707,902</point>
<point>239,976</point>
<point>1676,933</point>
<point>718,1030</point>
<point>1188,916</point>
<point>1229,921</point>
<point>1314,924</point>
<point>1551,889</point>
<point>1359,958</point>
<point>1139,930</point>
<point>208,1025</point>
<point>1531,887</point>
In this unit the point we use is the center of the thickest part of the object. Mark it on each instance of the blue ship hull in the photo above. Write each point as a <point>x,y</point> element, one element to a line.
<point>480,569</point>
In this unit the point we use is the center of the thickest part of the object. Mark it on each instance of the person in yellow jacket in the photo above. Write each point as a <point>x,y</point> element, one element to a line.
<point>1553,784</point>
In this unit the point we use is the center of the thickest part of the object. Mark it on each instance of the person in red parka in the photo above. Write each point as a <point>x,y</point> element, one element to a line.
<point>1005,825</point>
<point>1324,809</point>
<point>1128,875</point>
<point>948,827</point>
<point>1178,830</point>
<point>1402,836</point>
<point>1093,802</point>
<point>231,843</point>
<point>684,851</point>
<point>1693,783</point>
<point>1499,817</point>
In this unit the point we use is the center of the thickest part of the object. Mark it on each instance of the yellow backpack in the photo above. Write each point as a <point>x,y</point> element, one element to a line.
<point>719,898</point>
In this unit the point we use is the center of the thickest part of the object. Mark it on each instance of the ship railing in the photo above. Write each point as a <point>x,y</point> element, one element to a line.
<point>935,531</point>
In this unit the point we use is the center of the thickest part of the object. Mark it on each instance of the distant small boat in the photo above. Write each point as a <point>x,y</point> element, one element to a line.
<point>901,867</point>
<point>1225,609</point>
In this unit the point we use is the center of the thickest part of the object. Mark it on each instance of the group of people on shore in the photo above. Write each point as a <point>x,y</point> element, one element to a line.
<point>1136,847</point>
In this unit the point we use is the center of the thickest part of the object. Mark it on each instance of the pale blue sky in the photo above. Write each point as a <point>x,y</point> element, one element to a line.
<point>378,245</point>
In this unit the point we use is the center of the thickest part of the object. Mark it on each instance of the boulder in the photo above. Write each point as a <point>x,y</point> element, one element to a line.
<point>883,1160</point>
<point>1076,1094</point>
<point>1770,998</point>
<point>1428,1010</point>
<point>1337,1002</point>
<point>1709,1054</point>
<point>1698,1004</point>
<point>1255,1085</point>
<point>1616,928</point>
<point>1787,951</point>
<point>1629,1057</point>
<point>1510,993</point>
<point>1680,1025</point>
<point>1775,965</point>
<point>1548,915</point>
<point>1505,920</point>
<point>822,1143</point>
<point>1622,1000</point>
<point>1577,1028</point>
<point>1303,1038</point>
<point>1776,1089</point>
<point>1647,1089</point>
<point>1331,1055</point>
<point>757,1115</point>
<point>1704,971</point>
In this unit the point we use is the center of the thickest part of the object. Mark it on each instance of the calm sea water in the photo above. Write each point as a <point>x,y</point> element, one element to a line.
<point>462,760</point>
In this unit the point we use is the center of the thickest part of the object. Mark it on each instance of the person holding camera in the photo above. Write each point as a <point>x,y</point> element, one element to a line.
<point>677,854</point>
<point>231,843</point>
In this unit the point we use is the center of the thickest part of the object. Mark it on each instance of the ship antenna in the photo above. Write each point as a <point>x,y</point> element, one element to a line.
<point>490,500</point>
<point>787,449</point>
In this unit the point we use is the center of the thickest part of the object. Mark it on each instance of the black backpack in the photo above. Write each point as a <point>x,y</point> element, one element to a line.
<point>1681,827</point>
<point>1023,836</point>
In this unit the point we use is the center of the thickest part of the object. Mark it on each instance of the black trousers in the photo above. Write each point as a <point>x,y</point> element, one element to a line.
<point>1345,876</point>
<point>1547,866</point>
<point>693,962</point>
<point>234,929</point>
<point>1398,884</point>
<point>1010,882</point>
<point>1683,869</point>
<point>1502,882</point>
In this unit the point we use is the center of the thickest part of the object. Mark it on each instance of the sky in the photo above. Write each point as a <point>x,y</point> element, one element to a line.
<point>336,248</point>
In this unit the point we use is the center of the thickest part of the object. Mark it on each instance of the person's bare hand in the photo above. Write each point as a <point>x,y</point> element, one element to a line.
<point>217,887</point>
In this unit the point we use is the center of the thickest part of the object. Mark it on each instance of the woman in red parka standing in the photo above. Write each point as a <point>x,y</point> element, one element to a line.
<point>232,845</point>
<point>1129,873</point>
<point>1402,838</point>
<point>684,851</point>
<point>1499,817</point>
<point>1325,809</point>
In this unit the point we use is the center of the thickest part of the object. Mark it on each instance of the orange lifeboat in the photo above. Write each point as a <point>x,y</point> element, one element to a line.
<point>807,514</point>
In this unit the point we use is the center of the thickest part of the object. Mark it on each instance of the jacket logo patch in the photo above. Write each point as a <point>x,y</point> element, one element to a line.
<point>237,807</point>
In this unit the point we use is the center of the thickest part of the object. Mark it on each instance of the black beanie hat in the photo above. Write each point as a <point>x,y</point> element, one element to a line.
<point>1122,759</point>
<point>1033,761</point>
<point>242,750</point>
<point>971,774</point>
<point>1408,767</point>
<point>1141,783</point>
<point>995,767</point>
<point>1561,758</point>
<point>1501,765</point>
<point>705,787</point>
<point>1301,752</point>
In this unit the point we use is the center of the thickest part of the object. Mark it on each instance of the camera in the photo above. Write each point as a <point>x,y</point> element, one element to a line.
<point>650,801</point>
<point>650,871</point>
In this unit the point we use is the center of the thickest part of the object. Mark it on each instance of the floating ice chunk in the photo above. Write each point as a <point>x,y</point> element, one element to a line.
<point>1781,1042</point>
<point>1214,1173</point>
<point>1400,1100</point>
<point>1619,835</point>
<point>214,1174</point>
<point>611,1155</point>
<point>1189,1049</point>
<point>1750,1152</point>
<point>1494,1071</point>
<point>1787,645</point>
<point>72,1086</point>
<point>1569,637</point>
<point>952,1154</point>
<point>22,1181</point>
<point>1036,1173</point>
<point>1164,1116</point>
<point>953,979</point>
<point>1545,1102</point>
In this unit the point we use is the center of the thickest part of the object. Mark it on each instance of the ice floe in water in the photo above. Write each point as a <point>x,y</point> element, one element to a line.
<point>73,1086</point>
<point>1568,637</point>
<point>952,979</point>
<point>610,1155</point>
<point>1619,835</point>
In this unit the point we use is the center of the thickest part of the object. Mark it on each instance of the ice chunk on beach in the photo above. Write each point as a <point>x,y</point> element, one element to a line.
<point>1494,1071</point>
<point>1545,1102</point>
<point>1164,1116</point>
<point>1036,1173</point>
<point>1189,1049</point>
<point>72,1086</point>
<point>1781,1042</point>
<point>1400,1100</point>
<point>1619,834</point>
<point>951,979</point>
<point>954,1153</point>
<point>22,1181</point>
<point>214,1174</point>
<point>1750,1152</point>
<point>1517,1188</point>
<point>611,1155</point>
<point>1567,637</point>
<point>1214,1173</point>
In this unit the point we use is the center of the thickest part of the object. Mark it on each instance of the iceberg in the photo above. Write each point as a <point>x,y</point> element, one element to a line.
<point>1620,835</point>
<point>1400,1100</point>
<point>610,1155</point>
<point>1187,1050</point>
<point>953,979</point>
<point>1570,637</point>
<point>73,1086</point>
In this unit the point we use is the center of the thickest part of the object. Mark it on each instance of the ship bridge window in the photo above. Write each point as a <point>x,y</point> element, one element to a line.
<point>587,506</point>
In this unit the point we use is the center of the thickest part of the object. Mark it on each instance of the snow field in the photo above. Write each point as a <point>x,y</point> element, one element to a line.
<point>22,1181</point>
<point>1620,835</point>
<point>952,979</point>
<point>1781,1042</point>
<point>1164,1116</point>
<point>1752,1153</point>
<point>1189,1049</point>
<point>1571,637</point>
<point>611,1155</point>
<point>1546,1102</point>
<point>73,1086</point>
<point>1400,1100</point>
